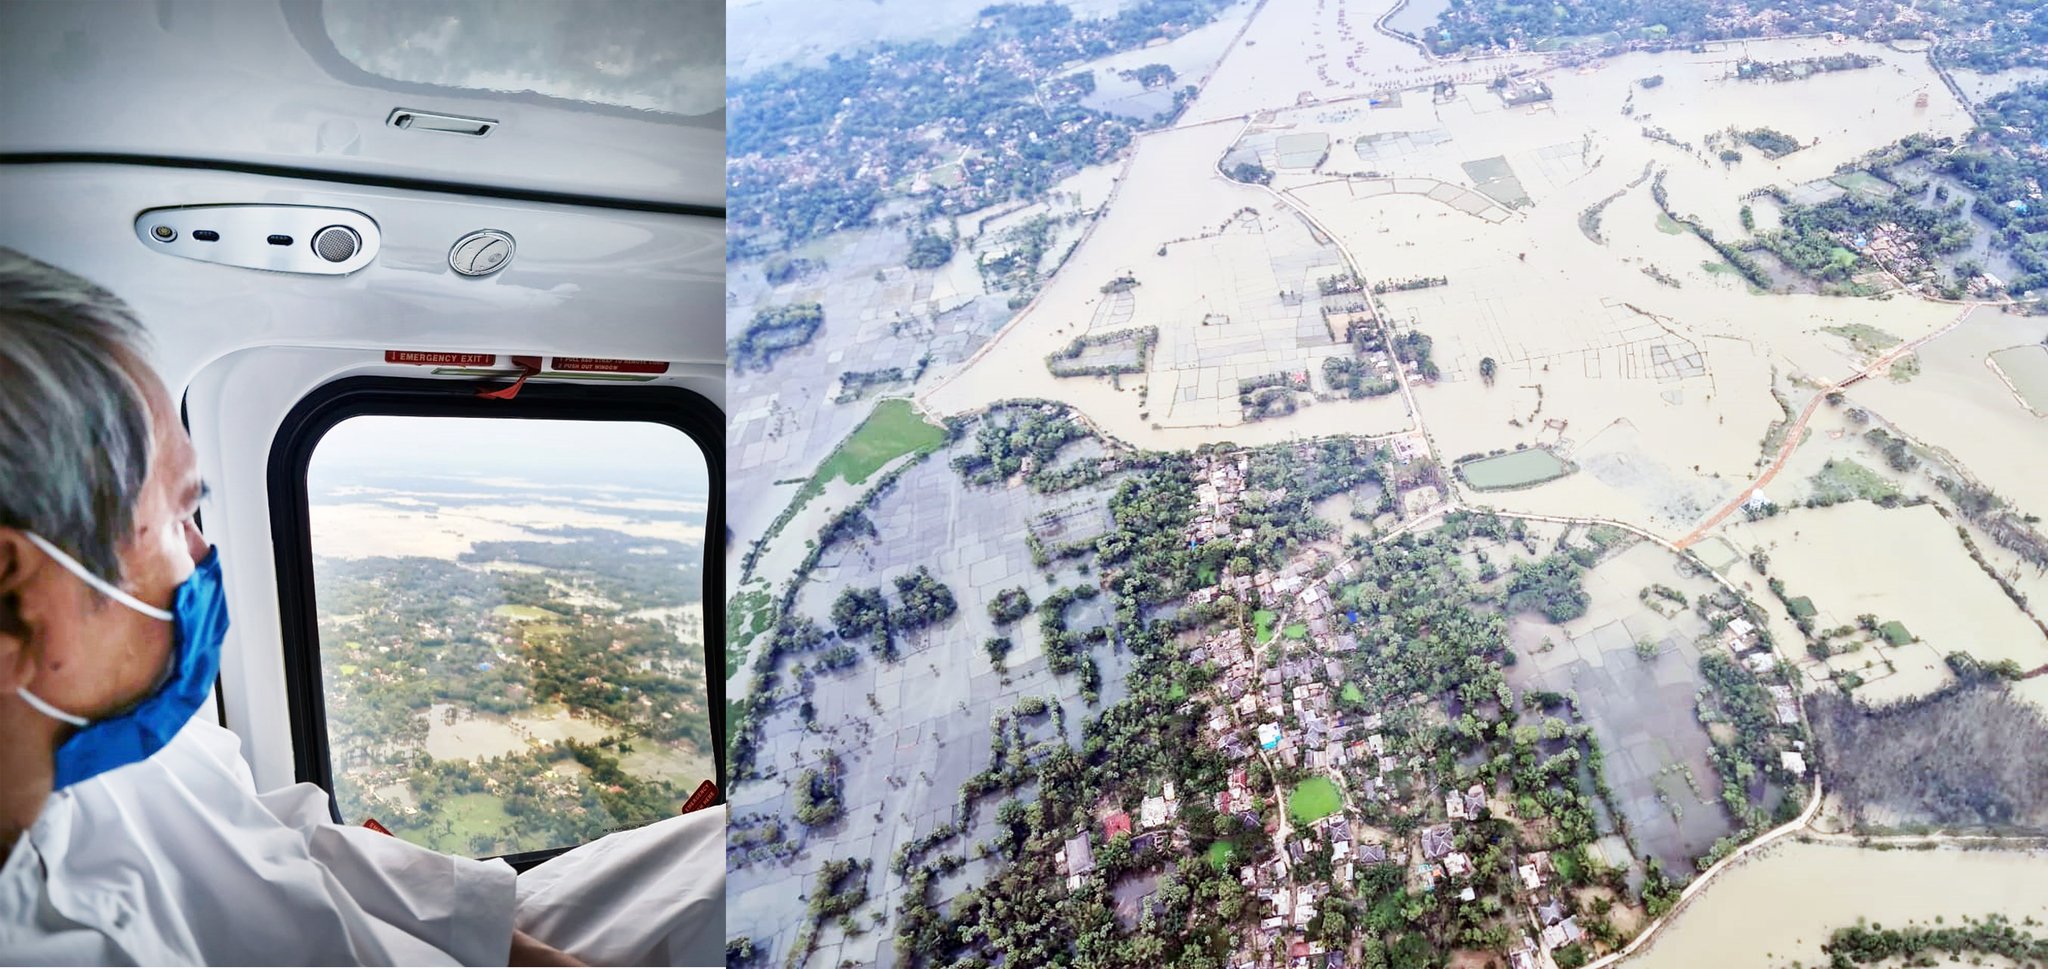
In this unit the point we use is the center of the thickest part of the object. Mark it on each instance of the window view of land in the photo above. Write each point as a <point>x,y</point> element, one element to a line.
<point>1388,483</point>
<point>512,650</point>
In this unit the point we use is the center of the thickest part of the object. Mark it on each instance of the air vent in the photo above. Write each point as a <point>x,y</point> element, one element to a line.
<point>313,239</point>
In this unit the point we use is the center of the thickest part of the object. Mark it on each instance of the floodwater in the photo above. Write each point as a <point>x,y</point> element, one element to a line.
<point>1903,564</point>
<point>1514,469</point>
<point>1589,343</point>
<point>352,530</point>
<point>1780,907</point>
<point>478,736</point>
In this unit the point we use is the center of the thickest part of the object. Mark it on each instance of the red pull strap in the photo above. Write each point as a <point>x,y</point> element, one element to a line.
<point>702,798</point>
<point>528,366</point>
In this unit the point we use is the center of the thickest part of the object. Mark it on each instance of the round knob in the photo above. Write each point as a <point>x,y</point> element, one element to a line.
<point>481,253</point>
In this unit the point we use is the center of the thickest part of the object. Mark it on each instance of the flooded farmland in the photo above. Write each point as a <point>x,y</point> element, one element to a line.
<point>1642,710</point>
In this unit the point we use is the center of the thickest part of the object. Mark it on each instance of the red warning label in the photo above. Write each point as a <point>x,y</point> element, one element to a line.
<point>596,365</point>
<point>427,359</point>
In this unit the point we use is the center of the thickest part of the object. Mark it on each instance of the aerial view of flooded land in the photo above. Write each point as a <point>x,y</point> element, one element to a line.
<point>1388,484</point>
<point>510,666</point>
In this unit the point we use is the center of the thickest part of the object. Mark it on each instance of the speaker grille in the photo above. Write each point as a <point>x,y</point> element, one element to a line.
<point>336,243</point>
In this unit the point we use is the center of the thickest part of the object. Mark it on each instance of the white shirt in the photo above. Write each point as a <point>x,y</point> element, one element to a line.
<point>177,860</point>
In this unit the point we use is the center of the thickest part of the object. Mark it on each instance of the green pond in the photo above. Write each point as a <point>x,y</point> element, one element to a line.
<point>2027,368</point>
<point>1313,800</point>
<point>1514,469</point>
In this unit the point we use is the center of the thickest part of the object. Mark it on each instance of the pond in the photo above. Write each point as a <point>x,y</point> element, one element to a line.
<point>2026,369</point>
<point>1515,469</point>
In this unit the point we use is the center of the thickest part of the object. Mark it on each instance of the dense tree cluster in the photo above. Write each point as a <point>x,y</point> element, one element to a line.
<point>773,331</point>
<point>929,250</point>
<point>817,793</point>
<point>1772,142</point>
<point>2015,35</point>
<point>922,600</point>
<point>859,612</point>
<point>1964,756</point>
<point>1817,240</point>
<point>1356,379</point>
<point>1550,586</point>
<point>1140,339</point>
<point>1005,441</point>
<point>1870,945</point>
<point>2002,165</point>
<point>1009,605</point>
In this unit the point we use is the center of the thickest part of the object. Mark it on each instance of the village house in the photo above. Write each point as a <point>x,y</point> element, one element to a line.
<point>1457,864</point>
<point>1077,860</point>
<point>1564,932</point>
<point>1436,841</point>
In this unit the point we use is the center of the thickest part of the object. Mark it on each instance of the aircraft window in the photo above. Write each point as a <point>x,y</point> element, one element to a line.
<point>511,634</point>
<point>653,55</point>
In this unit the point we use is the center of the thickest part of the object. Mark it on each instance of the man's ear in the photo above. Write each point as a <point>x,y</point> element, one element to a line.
<point>17,563</point>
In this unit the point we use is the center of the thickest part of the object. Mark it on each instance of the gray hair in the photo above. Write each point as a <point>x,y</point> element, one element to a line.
<point>75,434</point>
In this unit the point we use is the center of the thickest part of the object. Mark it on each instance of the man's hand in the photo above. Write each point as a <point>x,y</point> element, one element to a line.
<point>529,951</point>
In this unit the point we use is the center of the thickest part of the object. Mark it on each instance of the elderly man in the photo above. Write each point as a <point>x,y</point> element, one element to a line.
<point>130,830</point>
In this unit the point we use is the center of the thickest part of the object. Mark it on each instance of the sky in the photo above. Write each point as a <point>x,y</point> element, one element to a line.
<point>628,454</point>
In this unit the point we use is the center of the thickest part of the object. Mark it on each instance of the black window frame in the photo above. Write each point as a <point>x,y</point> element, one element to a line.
<point>308,423</point>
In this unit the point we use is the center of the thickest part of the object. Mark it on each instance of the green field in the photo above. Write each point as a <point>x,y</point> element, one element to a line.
<point>1262,623</point>
<point>1352,693</point>
<point>1515,469</point>
<point>1313,800</point>
<point>1895,633</point>
<point>1801,608</point>
<point>1221,853</point>
<point>527,613</point>
<point>1843,480</point>
<point>1669,226</point>
<point>460,818</point>
<point>892,431</point>
<point>1864,182</point>
<point>1297,630</point>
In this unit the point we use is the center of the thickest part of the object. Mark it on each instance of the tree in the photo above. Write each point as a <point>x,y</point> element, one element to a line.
<point>929,250</point>
<point>1486,370</point>
<point>1549,586</point>
<point>1009,605</point>
<point>1251,173</point>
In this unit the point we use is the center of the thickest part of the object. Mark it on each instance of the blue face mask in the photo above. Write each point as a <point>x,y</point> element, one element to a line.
<point>199,618</point>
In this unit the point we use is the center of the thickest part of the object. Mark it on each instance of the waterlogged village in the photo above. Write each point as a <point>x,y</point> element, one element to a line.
<point>1384,486</point>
